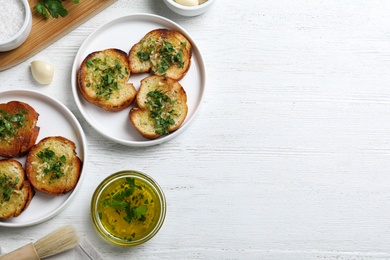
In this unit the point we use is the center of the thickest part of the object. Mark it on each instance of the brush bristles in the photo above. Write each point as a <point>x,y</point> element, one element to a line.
<point>54,243</point>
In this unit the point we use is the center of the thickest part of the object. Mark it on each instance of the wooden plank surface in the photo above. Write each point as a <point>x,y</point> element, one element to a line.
<point>46,31</point>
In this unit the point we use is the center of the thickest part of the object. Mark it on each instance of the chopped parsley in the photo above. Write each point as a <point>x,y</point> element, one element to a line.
<point>143,55</point>
<point>158,103</point>
<point>165,55</point>
<point>168,56</point>
<point>106,76</point>
<point>10,123</point>
<point>54,163</point>
<point>122,202</point>
<point>7,186</point>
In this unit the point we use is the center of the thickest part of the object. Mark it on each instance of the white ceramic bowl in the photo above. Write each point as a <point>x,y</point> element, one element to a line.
<point>189,10</point>
<point>18,39</point>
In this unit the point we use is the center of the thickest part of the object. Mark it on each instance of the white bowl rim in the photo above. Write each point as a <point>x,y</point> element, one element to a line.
<point>27,17</point>
<point>197,7</point>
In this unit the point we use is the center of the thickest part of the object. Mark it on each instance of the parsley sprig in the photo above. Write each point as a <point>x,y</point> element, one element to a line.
<point>7,186</point>
<point>122,202</point>
<point>53,8</point>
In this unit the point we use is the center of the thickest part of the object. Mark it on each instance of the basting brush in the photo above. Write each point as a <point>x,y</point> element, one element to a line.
<point>54,243</point>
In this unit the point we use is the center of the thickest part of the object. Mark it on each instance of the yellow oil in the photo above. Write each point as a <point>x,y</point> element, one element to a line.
<point>114,221</point>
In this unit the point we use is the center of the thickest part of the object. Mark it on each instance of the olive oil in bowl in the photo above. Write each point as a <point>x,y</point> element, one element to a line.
<point>128,208</point>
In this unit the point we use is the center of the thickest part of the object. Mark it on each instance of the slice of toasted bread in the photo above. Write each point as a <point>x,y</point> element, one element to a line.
<point>15,190</point>
<point>102,80</point>
<point>162,52</point>
<point>162,107</point>
<point>52,165</point>
<point>18,128</point>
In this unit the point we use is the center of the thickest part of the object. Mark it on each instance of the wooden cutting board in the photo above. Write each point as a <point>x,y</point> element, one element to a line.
<point>46,31</point>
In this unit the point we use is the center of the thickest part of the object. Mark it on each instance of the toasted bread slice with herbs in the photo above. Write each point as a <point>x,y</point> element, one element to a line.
<point>52,165</point>
<point>15,190</point>
<point>162,52</point>
<point>18,128</point>
<point>162,107</point>
<point>102,80</point>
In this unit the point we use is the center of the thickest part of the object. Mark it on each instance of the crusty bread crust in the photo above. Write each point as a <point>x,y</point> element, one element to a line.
<point>148,54</point>
<point>22,118</point>
<point>15,190</point>
<point>173,109</point>
<point>102,80</point>
<point>42,172</point>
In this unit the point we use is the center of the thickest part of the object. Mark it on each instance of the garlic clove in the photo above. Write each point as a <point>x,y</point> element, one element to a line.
<point>188,2</point>
<point>42,72</point>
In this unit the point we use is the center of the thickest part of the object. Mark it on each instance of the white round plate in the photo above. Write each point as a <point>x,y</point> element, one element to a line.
<point>122,33</point>
<point>54,120</point>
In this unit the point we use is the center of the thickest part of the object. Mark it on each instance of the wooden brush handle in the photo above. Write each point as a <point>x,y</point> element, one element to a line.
<point>26,252</point>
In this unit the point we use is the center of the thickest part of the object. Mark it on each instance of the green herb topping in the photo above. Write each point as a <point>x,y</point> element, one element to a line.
<point>53,8</point>
<point>122,202</point>
<point>143,55</point>
<point>106,73</point>
<point>7,186</point>
<point>159,105</point>
<point>163,55</point>
<point>53,163</point>
<point>10,123</point>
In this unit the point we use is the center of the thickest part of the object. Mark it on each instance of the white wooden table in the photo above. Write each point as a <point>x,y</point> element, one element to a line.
<point>289,155</point>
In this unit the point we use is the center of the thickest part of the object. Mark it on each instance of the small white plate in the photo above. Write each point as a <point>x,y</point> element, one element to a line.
<point>54,120</point>
<point>122,33</point>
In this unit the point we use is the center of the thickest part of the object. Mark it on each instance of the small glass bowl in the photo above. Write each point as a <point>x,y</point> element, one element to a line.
<point>110,215</point>
<point>20,37</point>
